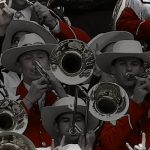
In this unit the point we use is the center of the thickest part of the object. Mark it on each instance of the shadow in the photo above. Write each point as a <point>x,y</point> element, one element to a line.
<point>93,20</point>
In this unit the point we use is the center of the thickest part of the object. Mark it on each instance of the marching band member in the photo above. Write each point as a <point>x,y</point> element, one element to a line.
<point>15,30</point>
<point>41,14</point>
<point>133,16</point>
<point>58,122</point>
<point>126,63</point>
<point>103,43</point>
<point>33,90</point>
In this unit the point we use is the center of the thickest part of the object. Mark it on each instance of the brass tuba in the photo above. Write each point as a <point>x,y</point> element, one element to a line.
<point>108,101</point>
<point>72,62</point>
<point>15,141</point>
<point>13,116</point>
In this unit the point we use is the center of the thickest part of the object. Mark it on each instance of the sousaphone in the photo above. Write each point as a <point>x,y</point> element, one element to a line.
<point>13,116</point>
<point>15,141</point>
<point>108,101</point>
<point>72,62</point>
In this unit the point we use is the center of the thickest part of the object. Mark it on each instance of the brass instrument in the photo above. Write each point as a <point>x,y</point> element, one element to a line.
<point>72,62</point>
<point>13,116</point>
<point>108,101</point>
<point>130,75</point>
<point>15,141</point>
<point>41,69</point>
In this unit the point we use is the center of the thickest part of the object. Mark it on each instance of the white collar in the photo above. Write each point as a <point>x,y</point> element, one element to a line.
<point>26,14</point>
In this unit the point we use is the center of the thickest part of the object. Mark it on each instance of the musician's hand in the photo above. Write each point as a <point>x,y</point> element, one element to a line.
<point>140,146</point>
<point>37,89</point>
<point>56,85</point>
<point>86,142</point>
<point>6,15</point>
<point>60,147</point>
<point>45,15</point>
<point>141,89</point>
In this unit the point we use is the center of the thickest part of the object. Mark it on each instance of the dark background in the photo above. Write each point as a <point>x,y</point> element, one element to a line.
<point>94,17</point>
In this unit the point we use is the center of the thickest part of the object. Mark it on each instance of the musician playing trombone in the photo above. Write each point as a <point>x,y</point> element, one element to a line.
<point>59,119</point>
<point>126,64</point>
<point>36,89</point>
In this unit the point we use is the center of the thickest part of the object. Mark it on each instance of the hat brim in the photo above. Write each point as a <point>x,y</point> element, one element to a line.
<point>105,39</point>
<point>104,60</point>
<point>50,113</point>
<point>10,56</point>
<point>26,26</point>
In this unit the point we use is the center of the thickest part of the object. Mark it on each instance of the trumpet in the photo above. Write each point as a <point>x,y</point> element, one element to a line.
<point>108,101</point>
<point>72,62</point>
<point>51,85</point>
<point>131,75</point>
<point>43,72</point>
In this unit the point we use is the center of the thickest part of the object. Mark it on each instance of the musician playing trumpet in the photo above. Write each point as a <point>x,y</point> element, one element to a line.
<point>35,90</point>
<point>25,10</point>
<point>126,58</point>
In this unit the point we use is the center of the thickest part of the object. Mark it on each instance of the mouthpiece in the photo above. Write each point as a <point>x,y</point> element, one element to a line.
<point>130,75</point>
<point>74,130</point>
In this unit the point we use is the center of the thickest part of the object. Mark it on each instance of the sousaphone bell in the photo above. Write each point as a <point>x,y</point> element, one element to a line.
<point>72,62</point>
<point>13,117</point>
<point>15,141</point>
<point>108,101</point>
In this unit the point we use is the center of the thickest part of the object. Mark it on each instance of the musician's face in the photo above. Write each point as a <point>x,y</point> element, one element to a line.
<point>19,4</point>
<point>124,65</point>
<point>27,67</point>
<point>64,124</point>
<point>16,38</point>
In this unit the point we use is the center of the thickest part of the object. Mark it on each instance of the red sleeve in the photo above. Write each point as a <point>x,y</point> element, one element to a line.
<point>114,137</point>
<point>148,141</point>
<point>70,32</point>
<point>130,22</point>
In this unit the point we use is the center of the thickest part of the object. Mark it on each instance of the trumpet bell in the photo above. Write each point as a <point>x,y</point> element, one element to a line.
<point>72,62</point>
<point>15,141</point>
<point>13,116</point>
<point>108,101</point>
